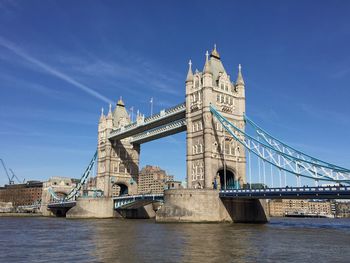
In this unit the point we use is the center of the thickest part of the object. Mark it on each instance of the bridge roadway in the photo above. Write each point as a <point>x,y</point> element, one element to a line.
<point>120,201</point>
<point>61,204</point>
<point>145,128</point>
<point>324,192</point>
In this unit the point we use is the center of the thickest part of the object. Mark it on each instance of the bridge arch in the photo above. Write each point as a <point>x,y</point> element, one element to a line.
<point>120,189</point>
<point>231,179</point>
<point>60,194</point>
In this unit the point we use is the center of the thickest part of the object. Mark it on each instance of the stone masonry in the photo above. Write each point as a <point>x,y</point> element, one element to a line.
<point>207,142</point>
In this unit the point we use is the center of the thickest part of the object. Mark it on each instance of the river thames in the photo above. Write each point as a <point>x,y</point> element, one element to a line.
<point>39,239</point>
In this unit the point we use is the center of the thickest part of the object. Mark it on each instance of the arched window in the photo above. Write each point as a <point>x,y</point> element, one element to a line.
<point>196,84</point>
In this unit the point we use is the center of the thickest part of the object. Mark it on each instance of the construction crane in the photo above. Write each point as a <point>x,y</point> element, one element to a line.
<point>15,176</point>
<point>11,181</point>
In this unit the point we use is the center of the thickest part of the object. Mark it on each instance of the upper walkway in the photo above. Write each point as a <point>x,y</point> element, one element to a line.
<point>162,121</point>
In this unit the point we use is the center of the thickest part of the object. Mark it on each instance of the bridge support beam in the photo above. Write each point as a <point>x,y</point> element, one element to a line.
<point>204,205</point>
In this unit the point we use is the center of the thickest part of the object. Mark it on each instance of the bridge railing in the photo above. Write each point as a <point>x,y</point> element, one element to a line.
<point>120,201</point>
<point>327,192</point>
<point>289,189</point>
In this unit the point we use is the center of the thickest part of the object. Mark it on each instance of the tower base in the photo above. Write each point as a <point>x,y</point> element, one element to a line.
<point>194,205</point>
<point>93,208</point>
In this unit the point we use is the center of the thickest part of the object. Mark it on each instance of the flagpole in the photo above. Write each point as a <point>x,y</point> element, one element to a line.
<point>151,106</point>
<point>132,113</point>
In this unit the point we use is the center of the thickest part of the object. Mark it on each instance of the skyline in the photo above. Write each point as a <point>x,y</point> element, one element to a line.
<point>56,76</point>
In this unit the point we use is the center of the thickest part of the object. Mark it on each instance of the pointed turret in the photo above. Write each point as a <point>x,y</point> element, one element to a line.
<point>215,53</point>
<point>216,65</point>
<point>102,117</point>
<point>240,80</point>
<point>189,73</point>
<point>120,115</point>
<point>120,102</point>
<point>109,118</point>
<point>207,68</point>
<point>109,115</point>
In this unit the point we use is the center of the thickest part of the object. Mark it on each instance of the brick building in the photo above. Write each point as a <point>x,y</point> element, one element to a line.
<point>22,194</point>
<point>152,180</point>
<point>281,207</point>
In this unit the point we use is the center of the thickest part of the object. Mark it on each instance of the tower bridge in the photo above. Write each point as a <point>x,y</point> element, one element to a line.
<point>225,152</point>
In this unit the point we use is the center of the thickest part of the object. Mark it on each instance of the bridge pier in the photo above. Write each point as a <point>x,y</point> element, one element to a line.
<point>205,205</point>
<point>246,210</point>
<point>93,208</point>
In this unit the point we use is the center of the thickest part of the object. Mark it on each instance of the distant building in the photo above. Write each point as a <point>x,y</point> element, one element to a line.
<point>282,207</point>
<point>22,194</point>
<point>152,180</point>
<point>342,208</point>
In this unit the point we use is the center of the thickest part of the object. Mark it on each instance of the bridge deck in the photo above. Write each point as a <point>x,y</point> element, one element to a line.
<point>68,204</point>
<point>331,192</point>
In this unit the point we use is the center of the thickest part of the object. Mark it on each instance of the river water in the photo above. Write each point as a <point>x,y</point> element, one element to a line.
<point>39,239</point>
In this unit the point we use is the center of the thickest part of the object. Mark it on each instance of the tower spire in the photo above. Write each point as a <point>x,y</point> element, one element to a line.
<point>190,73</point>
<point>239,80</point>
<point>207,68</point>
<point>215,53</point>
<point>120,102</point>
<point>109,115</point>
<point>102,117</point>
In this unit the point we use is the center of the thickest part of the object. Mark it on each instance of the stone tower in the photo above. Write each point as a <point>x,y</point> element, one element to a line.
<point>118,161</point>
<point>210,157</point>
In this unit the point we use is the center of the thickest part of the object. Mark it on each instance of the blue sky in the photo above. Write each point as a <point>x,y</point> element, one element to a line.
<point>61,61</point>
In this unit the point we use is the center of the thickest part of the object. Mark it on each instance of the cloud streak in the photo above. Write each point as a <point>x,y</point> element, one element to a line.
<point>52,71</point>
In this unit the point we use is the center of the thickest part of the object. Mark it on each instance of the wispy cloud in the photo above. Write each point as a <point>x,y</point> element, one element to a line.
<point>265,115</point>
<point>341,73</point>
<point>8,7</point>
<point>8,80</point>
<point>57,116</point>
<point>134,70</point>
<point>50,70</point>
<point>326,114</point>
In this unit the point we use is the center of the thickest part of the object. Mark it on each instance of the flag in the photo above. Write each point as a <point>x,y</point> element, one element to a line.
<point>151,101</point>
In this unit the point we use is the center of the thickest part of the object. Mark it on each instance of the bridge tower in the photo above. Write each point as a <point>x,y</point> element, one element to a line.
<point>212,154</point>
<point>118,160</point>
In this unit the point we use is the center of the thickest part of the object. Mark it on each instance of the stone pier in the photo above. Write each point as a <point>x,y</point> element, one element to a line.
<point>93,208</point>
<point>194,205</point>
